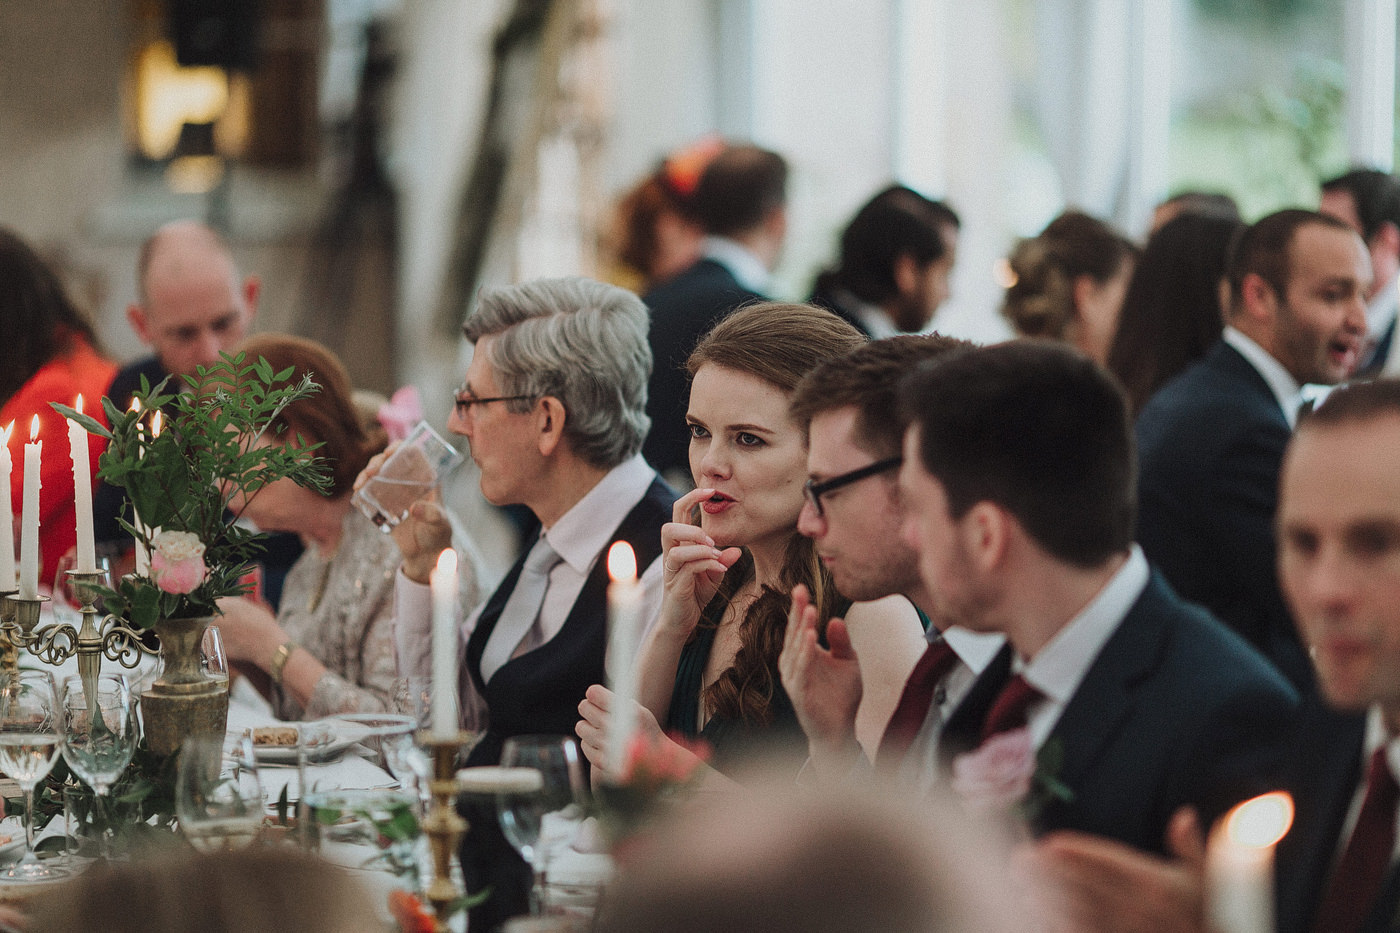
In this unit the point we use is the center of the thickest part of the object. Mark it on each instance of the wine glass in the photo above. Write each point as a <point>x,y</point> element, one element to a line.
<point>218,797</point>
<point>29,744</point>
<point>538,822</point>
<point>407,761</point>
<point>212,658</point>
<point>99,735</point>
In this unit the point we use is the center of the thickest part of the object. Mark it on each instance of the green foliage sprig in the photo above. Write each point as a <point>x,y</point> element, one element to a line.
<point>212,451</point>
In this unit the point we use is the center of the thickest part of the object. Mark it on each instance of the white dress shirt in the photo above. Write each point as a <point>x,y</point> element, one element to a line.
<point>1058,669</point>
<point>579,537</point>
<point>1286,389</point>
<point>919,768</point>
<point>748,270</point>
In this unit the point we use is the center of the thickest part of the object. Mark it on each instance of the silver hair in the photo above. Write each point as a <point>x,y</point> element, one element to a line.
<point>580,341</point>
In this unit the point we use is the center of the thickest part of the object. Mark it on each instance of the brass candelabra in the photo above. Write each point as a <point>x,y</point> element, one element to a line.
<point>443,825</point>
<point>97,637</point>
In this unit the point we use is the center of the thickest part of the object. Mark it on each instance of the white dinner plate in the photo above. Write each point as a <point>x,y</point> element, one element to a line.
<point>341,736</point>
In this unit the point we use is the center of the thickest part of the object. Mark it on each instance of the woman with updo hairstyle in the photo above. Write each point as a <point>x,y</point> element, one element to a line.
<point>329,649</point>
<point>708,668</point>
<point>1067,284</point>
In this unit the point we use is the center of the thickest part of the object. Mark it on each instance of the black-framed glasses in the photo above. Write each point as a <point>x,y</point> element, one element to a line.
<point>464,403</point>
<point>815,490</point>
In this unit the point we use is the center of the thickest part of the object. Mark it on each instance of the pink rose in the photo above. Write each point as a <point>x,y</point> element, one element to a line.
<point>997,776</point>
<point>177,566</point>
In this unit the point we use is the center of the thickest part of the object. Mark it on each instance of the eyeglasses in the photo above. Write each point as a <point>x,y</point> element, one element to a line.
<point>464,403</point>
<point>815,490</point>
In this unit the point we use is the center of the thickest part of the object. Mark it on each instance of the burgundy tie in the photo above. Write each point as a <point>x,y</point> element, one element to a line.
<point>1009,710</point>
<point>1356,881</point>
<point>914,703</point>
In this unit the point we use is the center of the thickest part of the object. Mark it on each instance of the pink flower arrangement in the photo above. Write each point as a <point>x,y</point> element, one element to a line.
<point>654,766</point>
<point>177,566</point>
<point>399,415</point>
<point>998,775</point>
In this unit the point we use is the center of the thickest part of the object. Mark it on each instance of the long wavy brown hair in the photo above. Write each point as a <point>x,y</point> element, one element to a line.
<point>778,343</point>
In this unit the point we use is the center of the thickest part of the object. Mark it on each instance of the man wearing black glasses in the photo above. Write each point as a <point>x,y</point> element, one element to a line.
<point>553,407</point>
<point>853,514</point>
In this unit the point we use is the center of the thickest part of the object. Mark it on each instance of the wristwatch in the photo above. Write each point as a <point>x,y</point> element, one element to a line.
<point>280,658</point>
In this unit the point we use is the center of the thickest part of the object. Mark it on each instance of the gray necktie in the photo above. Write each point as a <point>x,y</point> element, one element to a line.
<point>521,609</point>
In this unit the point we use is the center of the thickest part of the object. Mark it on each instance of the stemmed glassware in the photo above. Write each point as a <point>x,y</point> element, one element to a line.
<point>29,744</point>
<point>99,735</point>
<point>218,797</point>
<point>212,658</point>
<point>537,822</point>
<point>407,760</point>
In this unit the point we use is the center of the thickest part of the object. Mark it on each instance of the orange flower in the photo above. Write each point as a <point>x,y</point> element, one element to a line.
<point>410,914</point>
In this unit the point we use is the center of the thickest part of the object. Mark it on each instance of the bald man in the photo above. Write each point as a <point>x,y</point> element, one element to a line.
<point>192,305</point>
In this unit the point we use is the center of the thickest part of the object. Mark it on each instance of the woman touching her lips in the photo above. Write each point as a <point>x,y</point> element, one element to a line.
<point>708,668</point>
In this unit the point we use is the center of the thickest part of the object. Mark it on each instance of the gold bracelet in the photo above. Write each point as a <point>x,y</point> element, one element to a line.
<point>280,658</point>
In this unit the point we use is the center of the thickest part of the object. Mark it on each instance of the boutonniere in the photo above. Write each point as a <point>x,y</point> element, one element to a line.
<point>1006,772</point>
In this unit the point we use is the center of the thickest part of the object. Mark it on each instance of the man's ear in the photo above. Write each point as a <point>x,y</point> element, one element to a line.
<point>1258,302</point>
<point>1387,238</point>
<point>986,532</point>
<point>136,317</point>
<point>550,416</point>
<point>906,273</point>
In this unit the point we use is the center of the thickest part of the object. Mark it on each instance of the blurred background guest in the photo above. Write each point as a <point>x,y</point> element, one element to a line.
<point>896,256</point>
<point>740,202</point>
<point>1068,283</point>
<point>49,354</point>
<point>1172,312</point>
<point>1201,203</point>
<point>329,648</point>
<point>655,235</point>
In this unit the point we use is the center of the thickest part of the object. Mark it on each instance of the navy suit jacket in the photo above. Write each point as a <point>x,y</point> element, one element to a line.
<point>1210,445</point>
<point>1323,780</point>
<point>682,311</point>
<point>1176,710</point>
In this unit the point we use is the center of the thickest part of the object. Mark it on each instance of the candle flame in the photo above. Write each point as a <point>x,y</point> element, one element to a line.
<point>156,421</point>
<point>1261,822</point>
<point>78,405</point>
<point>622,562</point>
<point>7,432</point>
<point>447,561</point>
<point>34,429</point>
<point>135,405</point>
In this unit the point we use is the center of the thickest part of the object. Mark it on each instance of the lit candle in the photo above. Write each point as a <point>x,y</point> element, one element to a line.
<point>29,520</point>
<point>444,586</point>
<point>624,634</point>
<point>82,491</point>
<point>1240,864</point>
<point>143,556</point>
<point>7,513</point>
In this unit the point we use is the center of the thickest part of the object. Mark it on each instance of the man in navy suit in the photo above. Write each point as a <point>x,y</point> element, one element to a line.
<point>1018,476</point>
<point>1339,564</point>
<point>1369,202</point>
<point>1339,561</point>
<point>1212,439</point>
<point>741,204</point>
